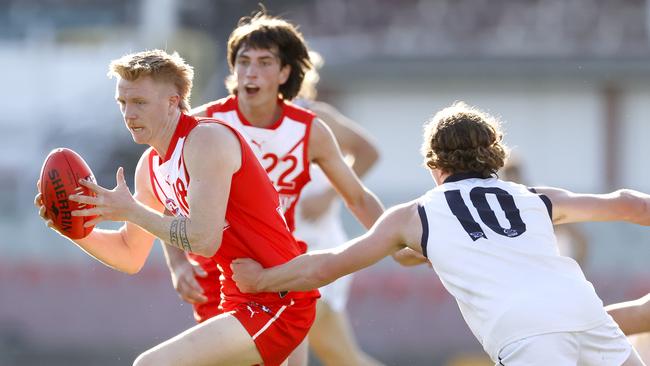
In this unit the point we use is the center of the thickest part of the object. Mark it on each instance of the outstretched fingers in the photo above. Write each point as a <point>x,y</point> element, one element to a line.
<point>87,212</point>
<point>88,200</point>
<point>94,187</point>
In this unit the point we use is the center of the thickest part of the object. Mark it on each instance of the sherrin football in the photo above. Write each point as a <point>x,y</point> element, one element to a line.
<point>60,176</point>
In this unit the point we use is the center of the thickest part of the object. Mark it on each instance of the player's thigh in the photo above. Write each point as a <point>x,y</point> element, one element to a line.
<point>558,349</point>
<point>221,340</point>
<point>300,355</point>
<point>331,336</point>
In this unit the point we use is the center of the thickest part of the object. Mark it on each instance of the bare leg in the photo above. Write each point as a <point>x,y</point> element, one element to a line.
<point>300,355</point>
<point>332,339</point>
<point>221,340</point>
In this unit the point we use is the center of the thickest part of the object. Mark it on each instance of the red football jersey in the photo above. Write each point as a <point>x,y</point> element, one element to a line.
<point>254,228</point>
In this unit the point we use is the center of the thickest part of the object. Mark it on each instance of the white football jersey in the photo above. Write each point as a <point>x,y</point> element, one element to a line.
<point>492,244</point>
<point>280,148</point>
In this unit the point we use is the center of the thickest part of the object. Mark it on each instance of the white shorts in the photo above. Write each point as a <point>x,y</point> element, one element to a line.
<point>604,345</point>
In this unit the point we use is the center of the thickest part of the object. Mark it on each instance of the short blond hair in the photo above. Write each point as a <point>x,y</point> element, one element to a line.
<point>160,66</point>
<point>461,138</point>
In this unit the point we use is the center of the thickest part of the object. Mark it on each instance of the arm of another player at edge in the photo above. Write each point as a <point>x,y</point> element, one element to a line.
<point>398,227</point>
<point>324,151</point>
<point>632,316</point>
<point>127,248</point>
<point>621,205</point>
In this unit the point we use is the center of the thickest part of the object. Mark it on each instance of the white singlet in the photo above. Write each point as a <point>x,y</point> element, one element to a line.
<point>492,245</point>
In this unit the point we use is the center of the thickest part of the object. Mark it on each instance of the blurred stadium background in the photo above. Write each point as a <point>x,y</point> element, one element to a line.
<point>570,78</point>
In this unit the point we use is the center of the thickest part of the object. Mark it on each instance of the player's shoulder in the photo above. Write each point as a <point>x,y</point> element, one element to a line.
<point>219,105</point>
<point>298,113</point>
<point>403,213</point>
<point>208,133</point>
<point>146,157</point>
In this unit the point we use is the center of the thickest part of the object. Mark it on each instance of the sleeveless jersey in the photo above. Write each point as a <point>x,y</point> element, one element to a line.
<point>280,148</point>
<point>492,245</point>
<point>254,226</point>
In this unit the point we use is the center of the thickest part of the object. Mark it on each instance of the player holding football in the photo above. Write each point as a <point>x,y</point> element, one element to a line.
<point>268,59</point>
<point>223,207</point>
<point>491,243</point>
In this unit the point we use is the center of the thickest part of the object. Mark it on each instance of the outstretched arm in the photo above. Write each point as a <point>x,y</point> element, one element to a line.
<point>622,205</point>
<point>398,227</point>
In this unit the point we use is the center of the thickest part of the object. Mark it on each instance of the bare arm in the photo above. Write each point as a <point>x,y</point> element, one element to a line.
<point>324,151</point>
<point>622,205</point>
<point>396,228</point>
<point>127,248</point>
<point>212,154</point>
<point>632,316</point>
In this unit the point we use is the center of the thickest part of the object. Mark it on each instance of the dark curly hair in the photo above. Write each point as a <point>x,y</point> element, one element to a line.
<point>263,31</point>
<point>461,139</point>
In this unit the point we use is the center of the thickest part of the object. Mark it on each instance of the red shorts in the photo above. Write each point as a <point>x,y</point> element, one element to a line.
<point>277,329</point>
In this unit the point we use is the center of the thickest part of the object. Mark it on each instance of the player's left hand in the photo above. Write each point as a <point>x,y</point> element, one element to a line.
<point>246,274</point>
<point>116,204</point>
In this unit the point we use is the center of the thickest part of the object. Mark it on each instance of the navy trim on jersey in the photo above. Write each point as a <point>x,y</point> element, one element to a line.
<point>465,175</point>
<point>546,200</point>
<point>425,229</point>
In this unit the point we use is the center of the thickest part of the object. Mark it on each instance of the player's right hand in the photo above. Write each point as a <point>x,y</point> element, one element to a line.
<point>184,280</point>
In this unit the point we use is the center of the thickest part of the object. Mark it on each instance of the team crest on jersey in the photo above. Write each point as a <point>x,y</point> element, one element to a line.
<point>511,233</point>
<point>477,235</point>
<point>172,206</point>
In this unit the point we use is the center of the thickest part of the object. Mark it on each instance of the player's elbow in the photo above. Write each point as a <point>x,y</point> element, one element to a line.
<point>206,245</point>
<point>205,248</point>
<point>372,154</point>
